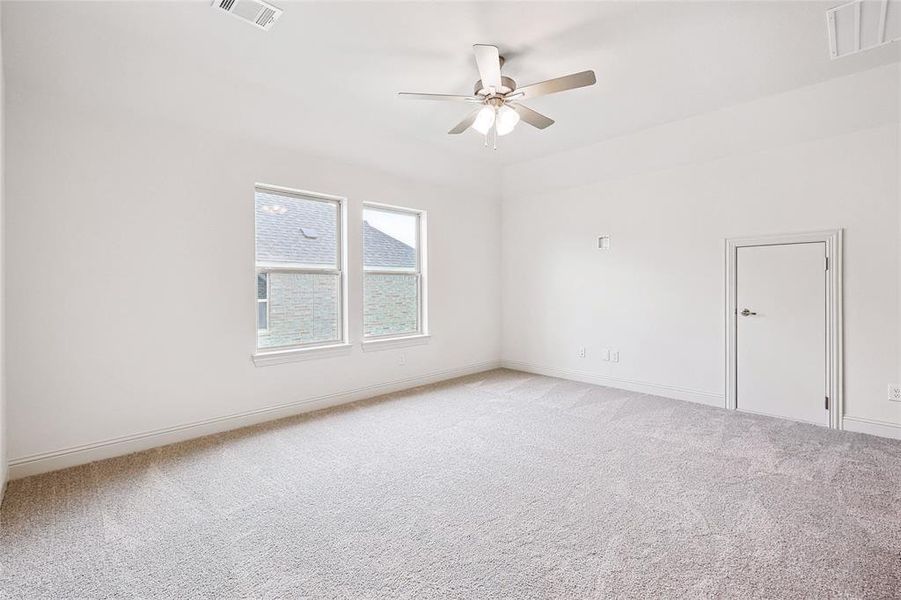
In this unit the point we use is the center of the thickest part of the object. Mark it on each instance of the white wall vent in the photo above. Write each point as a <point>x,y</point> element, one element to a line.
<point>862,25</point>
<point>256,12</point>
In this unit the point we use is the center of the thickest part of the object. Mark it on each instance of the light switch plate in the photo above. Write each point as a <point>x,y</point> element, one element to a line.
<point>605,354</point>
<point>614,355</point>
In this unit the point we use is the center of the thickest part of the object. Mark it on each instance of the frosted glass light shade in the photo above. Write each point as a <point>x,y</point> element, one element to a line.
<point>484,120</point>
<point>507,118</point>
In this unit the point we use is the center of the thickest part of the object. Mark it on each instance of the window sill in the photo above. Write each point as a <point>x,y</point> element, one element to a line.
<point>395,342</point>
<point>278,357</point>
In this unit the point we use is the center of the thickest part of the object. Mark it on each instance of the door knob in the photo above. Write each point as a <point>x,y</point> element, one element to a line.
<point>747,313</point>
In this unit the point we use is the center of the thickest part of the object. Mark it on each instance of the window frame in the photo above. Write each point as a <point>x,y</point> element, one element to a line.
<point>278,354</point>
<point>420,270</point>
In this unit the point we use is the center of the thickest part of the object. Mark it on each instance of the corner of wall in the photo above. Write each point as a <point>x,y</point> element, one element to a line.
<point>4,471</point>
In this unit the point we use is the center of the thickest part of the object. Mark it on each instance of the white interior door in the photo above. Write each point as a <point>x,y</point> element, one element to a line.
<point>781,331</point>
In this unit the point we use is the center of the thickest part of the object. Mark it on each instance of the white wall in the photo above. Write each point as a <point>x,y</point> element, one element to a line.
<point>131,276</point>
<point>3,459</point>
<point>130,264</point>
<point>820,157</point>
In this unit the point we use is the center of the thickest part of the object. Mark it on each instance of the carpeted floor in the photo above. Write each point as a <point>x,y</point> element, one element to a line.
<point>499,485</point>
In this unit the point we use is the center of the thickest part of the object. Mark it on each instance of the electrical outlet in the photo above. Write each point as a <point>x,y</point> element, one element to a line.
<point>614,355</point>
<point>402,359</point>
<point>605,354</point>
<point>582,352</point>
<point>894,392</point>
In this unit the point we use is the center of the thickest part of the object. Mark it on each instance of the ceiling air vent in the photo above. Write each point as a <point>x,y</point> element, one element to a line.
<point>256,12</point>
<point>862,25</point>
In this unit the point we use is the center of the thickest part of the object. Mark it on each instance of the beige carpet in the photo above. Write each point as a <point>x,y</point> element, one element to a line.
<point>501,485</point>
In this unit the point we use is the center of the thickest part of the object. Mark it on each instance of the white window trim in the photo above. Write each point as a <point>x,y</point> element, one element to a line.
<point>422,334</point>
<point>284,354</point>
<point>399,341</point>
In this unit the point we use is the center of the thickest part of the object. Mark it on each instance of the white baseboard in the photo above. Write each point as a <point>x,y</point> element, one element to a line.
<point>872,426</point>
<point>849,423</point>
<point>34,464</point>
<point>667,391</point>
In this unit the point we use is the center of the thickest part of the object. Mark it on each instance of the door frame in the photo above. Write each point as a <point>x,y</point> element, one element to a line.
<point>834,345</point>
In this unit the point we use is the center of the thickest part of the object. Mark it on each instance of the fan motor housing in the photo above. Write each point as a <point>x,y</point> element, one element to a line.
<point>507,86</point>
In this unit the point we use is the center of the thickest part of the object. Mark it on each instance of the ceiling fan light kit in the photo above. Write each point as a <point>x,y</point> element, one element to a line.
<point>500,111</point>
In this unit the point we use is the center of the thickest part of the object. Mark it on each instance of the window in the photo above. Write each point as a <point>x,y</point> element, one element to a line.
<point>393,287</point>
<point>299,269</point>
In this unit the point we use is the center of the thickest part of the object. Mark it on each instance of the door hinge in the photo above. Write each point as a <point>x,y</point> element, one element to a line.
<point>827,402</point>
<point>827,263</point>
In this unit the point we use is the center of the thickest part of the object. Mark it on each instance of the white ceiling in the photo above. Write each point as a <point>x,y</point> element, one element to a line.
<point>326,75</point>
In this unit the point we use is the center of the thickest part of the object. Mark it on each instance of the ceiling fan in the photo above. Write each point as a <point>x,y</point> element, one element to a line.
<point>498,97</point>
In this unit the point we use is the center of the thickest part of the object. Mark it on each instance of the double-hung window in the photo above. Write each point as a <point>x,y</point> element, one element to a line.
<point>393,275</point>
<point>299,269</point>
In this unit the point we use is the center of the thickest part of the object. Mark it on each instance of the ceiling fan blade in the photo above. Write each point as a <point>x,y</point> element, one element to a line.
<point>465,123</point>
<point>560,84</point>
<point>535,119</point>
<point>452,97</point>
<point>489,63</point>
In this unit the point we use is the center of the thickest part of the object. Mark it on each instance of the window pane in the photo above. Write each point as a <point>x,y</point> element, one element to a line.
<point>262,315</point>
<point>303,309</point>
<point>261,286</point>
<point>390,303</point>
<point>296,231</point>
<point>389,239</point>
